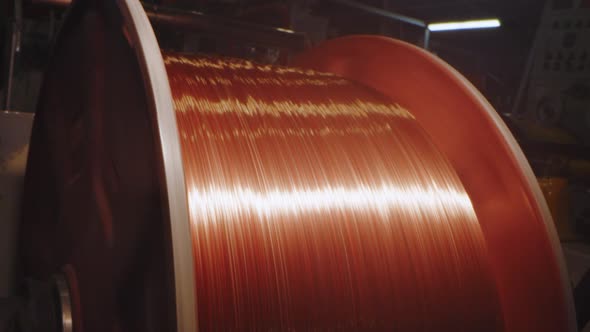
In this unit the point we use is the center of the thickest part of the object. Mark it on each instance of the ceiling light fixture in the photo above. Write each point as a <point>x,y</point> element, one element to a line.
<point>464,25</point>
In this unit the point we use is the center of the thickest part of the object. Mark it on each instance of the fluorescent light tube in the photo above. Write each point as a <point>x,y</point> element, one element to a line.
<point>464,25</point>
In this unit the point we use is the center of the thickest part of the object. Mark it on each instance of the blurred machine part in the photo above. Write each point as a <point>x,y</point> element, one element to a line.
<point>15,129</point>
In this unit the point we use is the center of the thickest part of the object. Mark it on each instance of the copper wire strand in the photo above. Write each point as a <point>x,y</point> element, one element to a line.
<point>317,204</point>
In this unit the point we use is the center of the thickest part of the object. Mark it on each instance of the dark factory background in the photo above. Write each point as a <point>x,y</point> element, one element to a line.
<point>493,60</point>
<point>534,69</point>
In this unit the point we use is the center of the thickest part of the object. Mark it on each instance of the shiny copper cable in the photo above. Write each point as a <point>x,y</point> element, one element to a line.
<point>318,204</point>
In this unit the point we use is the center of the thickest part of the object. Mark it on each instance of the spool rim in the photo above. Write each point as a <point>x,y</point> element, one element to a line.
<point>143,40</point>
<point>56,232</point>
<point>63,292</point>
<point>371,60</point>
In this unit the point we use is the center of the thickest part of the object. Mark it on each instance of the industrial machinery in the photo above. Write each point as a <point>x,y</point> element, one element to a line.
<point>552,113</point>
<point>367,186</point>
<point>555,90</point>
<point>553,105</point>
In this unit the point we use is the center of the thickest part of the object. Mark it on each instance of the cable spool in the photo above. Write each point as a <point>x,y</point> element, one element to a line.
<point>278,198</point>
<point>316,203</point>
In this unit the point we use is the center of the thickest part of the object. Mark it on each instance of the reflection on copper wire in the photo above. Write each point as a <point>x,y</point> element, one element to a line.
<point>253,107</point>
<point>217,204</point>
<point>322,206</point>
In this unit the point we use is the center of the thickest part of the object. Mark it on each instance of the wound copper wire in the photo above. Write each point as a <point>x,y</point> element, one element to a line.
<point>316,204</point>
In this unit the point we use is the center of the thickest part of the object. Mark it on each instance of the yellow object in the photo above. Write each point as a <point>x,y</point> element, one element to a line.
<point>555,192</point>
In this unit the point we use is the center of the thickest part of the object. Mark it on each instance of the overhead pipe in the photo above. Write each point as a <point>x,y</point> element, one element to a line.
<point>390,15</point>
<point>225,27</point>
